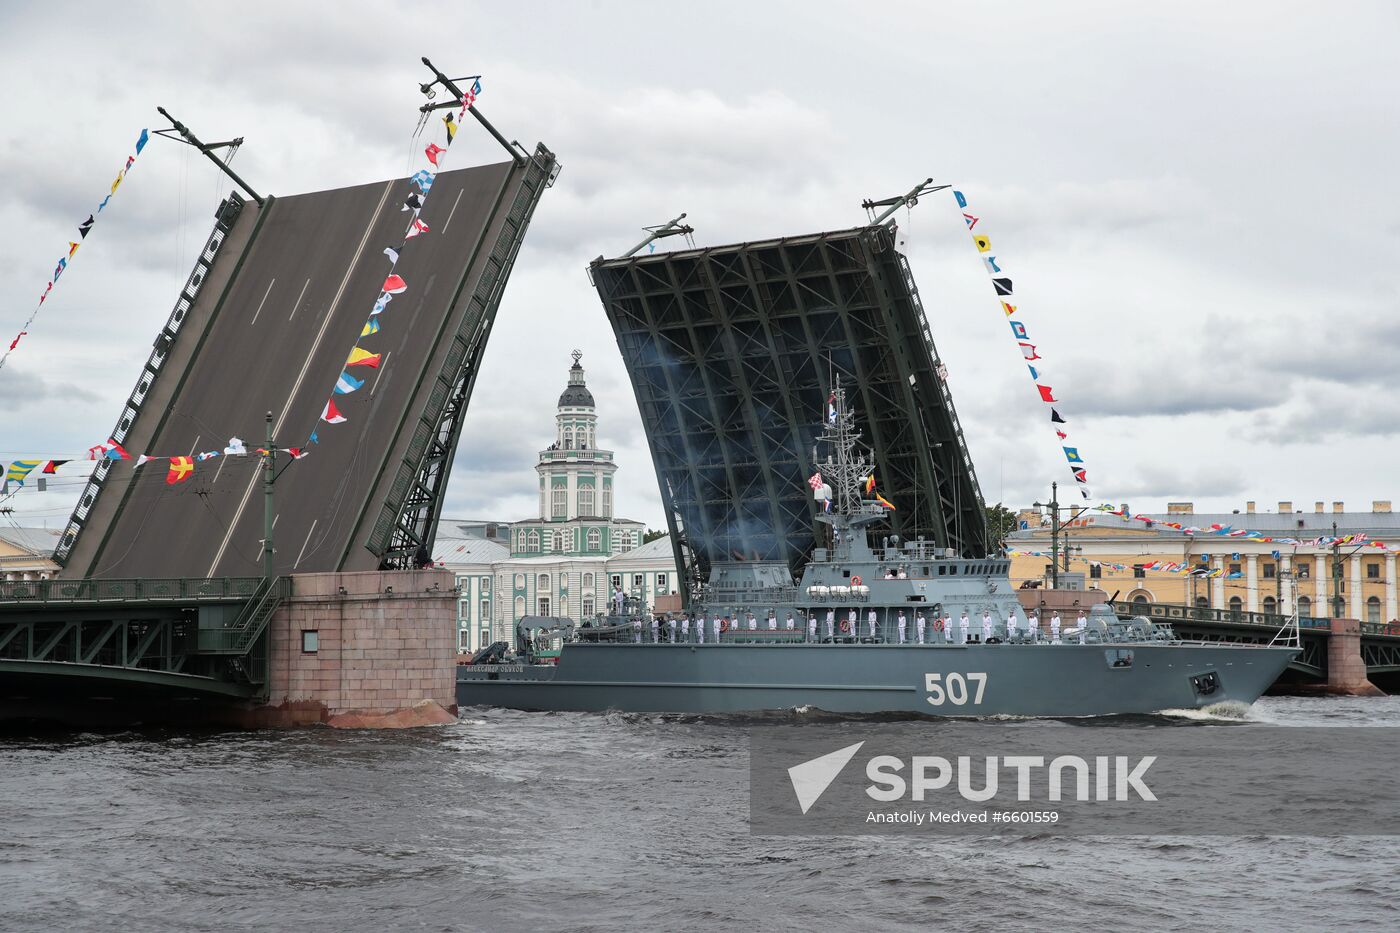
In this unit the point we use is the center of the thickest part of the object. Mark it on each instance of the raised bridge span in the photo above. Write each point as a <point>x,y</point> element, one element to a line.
<point>264,324</point>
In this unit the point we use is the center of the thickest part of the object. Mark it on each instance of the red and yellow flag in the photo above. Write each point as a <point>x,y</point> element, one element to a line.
<point>885,502</point>
<point>181,469</point>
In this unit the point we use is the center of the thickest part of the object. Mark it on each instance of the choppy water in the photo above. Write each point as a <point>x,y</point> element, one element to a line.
<point>593,822</point>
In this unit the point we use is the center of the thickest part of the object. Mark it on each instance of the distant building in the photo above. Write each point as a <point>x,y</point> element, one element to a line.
<point>567,560</point>
<point>1256,574</point>
<point>26,553</point>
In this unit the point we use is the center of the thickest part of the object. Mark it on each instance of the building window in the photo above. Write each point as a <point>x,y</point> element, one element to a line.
<point>1138,572</point>
<point>1202,602</point>
<point>485,611</point>
<point>464,640</point>
<point>1304,571</point>
<point>588,581</point>
<point>1095,572</point>
<point>661,583</point>
<point>310,641</point>
<point>1140,602</point>
<point>533,541</point>
<point>625,540</point>
<point>561,502</point>
<point>520,581</point>
<point>617,581</point>
<point>544,605</point>
<point>1234,568</point>
<point>587,606</point>
<point>1373,571</point>
<point>568,439</point>
<point>1268,571</point>
<point>542,582</point>
<point>607,501</point>
<point>1304,606</point>
<point>519,608</point>
<point>585,500</point>
<point>1373,609</point>
<point>1236,604</point>
<point>463,606</point>
<point>595,540</point>
<point>638,582</point>
<point>1270,606</point>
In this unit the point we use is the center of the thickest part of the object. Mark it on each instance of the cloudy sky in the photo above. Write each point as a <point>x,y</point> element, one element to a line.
<point>1198,203</point>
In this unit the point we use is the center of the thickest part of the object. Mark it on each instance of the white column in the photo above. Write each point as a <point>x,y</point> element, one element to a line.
<point>1251,580</point>
<point>1217,585</point>
<point>1285,603</point>
<point>1321,607</point>
<point>1391,610</point>
<point>1357,604</point>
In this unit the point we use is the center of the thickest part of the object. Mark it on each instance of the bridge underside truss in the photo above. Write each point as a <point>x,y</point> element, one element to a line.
<point>733,351</point>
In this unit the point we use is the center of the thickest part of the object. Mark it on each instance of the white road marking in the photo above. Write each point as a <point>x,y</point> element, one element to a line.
<point>292,395</point>
<point>264,301</point>
<point>298,304</point>
<point>302,552</point>
<point>451,212</point>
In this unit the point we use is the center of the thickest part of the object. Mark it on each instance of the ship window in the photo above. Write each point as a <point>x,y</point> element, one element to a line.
<point>925,571</point>
<point>942,570</point>
<point>953,570</point>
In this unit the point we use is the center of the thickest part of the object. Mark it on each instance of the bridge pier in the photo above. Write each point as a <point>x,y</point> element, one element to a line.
<point>1346,669</point>
<point>363,650</point>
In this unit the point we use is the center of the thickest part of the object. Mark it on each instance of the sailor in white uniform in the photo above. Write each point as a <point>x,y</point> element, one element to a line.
<point>636,631</point>
<point>1011,625</point>
<point>790,624</point>
<point>870,622</point>
<point>685,628</point>
<point>963,626</point>
<point>772,621</point>
<point>1055,626</point>
<point>1082,624</point>
<point>655,629</point>
<point>852,623</point>
<point>986,625</point>
<point>903,624</point>
<point>830,623</point>
<point>716,627</point>
<point>700,630</point>
<point>671,627</point>
<point>811,626</point>
<point>1034,631</point>
<point>919,625</point>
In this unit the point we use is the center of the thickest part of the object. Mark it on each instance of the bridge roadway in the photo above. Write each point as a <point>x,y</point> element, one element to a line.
<point>299,294</point>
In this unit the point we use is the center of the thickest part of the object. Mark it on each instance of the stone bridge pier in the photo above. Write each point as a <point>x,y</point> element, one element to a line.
<point>1346,669</point>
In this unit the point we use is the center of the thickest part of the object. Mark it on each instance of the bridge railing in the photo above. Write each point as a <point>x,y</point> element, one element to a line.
<point>90,592</point>
<point>238,636</point>
<point>1168,612</point>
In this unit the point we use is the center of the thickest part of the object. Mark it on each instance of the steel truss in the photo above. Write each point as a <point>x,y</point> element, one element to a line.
<point>732,352</point>
<point>408,519</point>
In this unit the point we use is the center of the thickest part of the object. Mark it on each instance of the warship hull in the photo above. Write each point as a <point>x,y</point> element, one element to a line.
<point>973,680</point>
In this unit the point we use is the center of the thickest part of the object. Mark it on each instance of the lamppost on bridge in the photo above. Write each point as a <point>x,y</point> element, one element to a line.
<point>1056,528</point>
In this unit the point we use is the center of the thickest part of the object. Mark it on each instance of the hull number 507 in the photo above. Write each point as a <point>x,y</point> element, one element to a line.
<point>955,689</point>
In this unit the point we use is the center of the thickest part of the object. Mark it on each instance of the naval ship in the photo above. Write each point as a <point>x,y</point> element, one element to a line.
<point>755,641</point>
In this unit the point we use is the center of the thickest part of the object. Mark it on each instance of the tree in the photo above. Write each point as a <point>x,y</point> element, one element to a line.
<point>650,535</point>
<point>1001,521</point>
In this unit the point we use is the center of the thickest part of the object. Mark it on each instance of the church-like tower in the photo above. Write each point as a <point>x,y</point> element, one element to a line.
<point>576,485</point>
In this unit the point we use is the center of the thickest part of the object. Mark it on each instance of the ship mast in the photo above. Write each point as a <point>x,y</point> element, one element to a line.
<point>846,466</point>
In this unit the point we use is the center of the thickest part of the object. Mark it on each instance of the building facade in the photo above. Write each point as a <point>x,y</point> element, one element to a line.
<point>567,560</point>
<point>1231,573</point>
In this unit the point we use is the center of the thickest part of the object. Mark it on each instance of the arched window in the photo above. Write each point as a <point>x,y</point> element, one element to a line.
<point>568,439</point>
<point>1373,609</point>
<point>519,607</point>
<point>1236,604</point>
<point>1202,602</point>
<point>1304,606</point>
<point>533,541</point>
<point>542,583</point>
<point>595,540</point>
<point>588,581</point>
<point>1140,602</point>
<point>1270,605</point>
<point>585,500</point>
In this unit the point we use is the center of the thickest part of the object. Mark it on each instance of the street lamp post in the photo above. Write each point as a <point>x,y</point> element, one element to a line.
<point>1056,529</point>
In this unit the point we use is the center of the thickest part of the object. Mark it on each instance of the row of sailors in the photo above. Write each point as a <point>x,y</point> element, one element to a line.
<point>943,629</point>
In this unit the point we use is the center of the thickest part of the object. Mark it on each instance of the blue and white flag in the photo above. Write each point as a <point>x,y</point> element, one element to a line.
<point>347,384</point>
<point>423,179</point>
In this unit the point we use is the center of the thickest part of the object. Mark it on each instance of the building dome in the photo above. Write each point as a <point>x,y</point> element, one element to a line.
<point>576,394</point>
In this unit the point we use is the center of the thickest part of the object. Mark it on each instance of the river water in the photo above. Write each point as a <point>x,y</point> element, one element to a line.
<point>566,821</point>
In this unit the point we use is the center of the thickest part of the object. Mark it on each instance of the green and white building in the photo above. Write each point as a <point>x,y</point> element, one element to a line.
<point>567,560</point>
